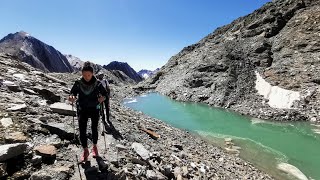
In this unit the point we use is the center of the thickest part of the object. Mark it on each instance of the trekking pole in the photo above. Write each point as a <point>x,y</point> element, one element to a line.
<point>74,139</point>
<point>104,128</point>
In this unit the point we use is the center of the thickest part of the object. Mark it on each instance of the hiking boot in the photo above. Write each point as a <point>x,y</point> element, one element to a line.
<point>95,151</point>
<point>85,155</point>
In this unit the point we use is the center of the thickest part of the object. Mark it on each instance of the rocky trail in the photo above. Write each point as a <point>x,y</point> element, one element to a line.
<point>37,139</point>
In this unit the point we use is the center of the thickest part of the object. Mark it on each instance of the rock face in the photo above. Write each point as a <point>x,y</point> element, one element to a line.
<point>34,52</point>
<point>125,68</point>
<point>147,73</point>
<point>278,44</point>
<point>75,62</point>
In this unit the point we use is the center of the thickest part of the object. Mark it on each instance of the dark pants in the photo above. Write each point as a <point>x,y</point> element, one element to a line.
<point>83,122</point>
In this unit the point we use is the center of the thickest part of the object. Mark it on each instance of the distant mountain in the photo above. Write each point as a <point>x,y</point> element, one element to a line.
<point>124,67</point>
<point>147,73</point>
<point>75,62</point>
<point>34,52</point>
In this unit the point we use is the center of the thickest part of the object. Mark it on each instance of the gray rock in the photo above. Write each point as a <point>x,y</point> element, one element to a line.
<point>155,175</point>
<point>63,108</point>
<point>121,147</point>
<point>46,150</point>
<point>6,122</point>
<point>11,150</point>
<point>50,173</point>
<point>14,88</point>
<point>15,137</point>
<point>141,150</point>
<point>21,107</point>
<point>177,171</point>
<point>29,91</point>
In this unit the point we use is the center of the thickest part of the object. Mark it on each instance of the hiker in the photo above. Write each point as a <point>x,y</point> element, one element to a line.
<point>90,94</point>
<point>105,84</point>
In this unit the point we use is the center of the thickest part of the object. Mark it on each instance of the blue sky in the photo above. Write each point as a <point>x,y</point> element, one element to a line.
<point>144,33</point>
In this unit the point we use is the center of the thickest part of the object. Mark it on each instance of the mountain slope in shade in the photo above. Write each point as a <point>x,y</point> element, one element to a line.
<point>277,45</point>
<point>124,67</point>
<point>34,52</point>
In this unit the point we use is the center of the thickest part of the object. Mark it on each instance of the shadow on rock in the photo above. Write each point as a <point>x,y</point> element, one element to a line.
<point>110,129</point>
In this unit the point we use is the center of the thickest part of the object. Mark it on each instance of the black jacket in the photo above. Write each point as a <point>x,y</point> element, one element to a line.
<point>88,92</point>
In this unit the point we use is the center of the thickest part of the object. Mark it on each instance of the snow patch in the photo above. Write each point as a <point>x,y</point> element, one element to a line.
<point>278,97</point>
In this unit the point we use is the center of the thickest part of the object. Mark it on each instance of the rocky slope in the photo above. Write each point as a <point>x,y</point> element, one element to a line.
<point>265,64</point>
<point>37,136</point>
<point>124,67</point>
<point>34,52</point>
<point>75,62</point>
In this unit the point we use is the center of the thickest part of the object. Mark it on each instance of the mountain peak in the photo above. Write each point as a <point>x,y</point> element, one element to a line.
<point>22,34</point>
<point>34,52</point>
<point>124,67</point>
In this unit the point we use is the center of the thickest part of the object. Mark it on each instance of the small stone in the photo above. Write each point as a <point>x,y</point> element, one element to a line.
<point>193,165</point>
<point>313,119</point>
<point>232,151</point>
<point>177,171</point>
<point>179,177</point>
<point>46,150</point>
<point>185,171</point>
<point>155,175</point>
<point>121,147</point>
<point>21,107</point>
<point>15,137</point>
<point>29,91</point>
<point>6,122</point>
<point>227,140</point>
<point>36,160</point>
<point>202,170</point>
<point>139,149</point>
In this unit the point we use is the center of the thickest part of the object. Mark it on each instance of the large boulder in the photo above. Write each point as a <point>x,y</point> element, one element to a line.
<point>141,150</point>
